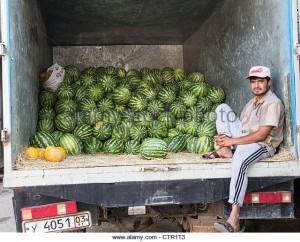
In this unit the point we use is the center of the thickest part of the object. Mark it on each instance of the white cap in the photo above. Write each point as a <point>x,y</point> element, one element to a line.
<point>259,71</point>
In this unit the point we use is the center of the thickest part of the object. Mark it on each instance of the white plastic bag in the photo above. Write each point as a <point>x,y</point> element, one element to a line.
<point>56,78</point>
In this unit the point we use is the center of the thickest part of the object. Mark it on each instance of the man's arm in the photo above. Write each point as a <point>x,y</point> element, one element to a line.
<point>260,135</point>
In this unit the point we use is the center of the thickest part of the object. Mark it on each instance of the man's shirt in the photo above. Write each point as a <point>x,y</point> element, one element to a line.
<point>269,111</point>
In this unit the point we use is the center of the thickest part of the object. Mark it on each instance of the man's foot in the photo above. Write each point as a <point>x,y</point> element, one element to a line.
<point>224,152</point>
<point>226,227</point>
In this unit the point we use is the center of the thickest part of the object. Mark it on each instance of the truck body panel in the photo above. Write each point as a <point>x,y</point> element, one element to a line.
<point>221,38</point>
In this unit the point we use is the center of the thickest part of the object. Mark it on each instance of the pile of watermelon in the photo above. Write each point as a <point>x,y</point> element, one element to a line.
<point>111,110</point>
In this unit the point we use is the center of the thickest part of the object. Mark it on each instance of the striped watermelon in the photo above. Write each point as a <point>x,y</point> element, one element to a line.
<point>71,144</point>
<point>192,127</point>
<point>65,92</point>
<point>113,146</point>
<point>80,94</point>
<point>121,95</point>
<point>191,144</point>
<point>65,106</point>
<point>94,92</point>
<point>121,72</point>
<point>121,133</point>
<point>207,129</point>
<point>47,98</point>
<point>47,113</point>
<point>90,70</point>
<point>132,147</point>
<point>73,72</point>
<point>102,130</point>
<point>157,129</point>
<point>204,145</point>
<point>167,75</point>
<point>174,132</point>
<point>111,70</point>
<point>138,132</point>
<point>65,122</point>
<point>180,125</point>
<point>144,118</point>
<point>177,144</point>
<point>105,104</point>
<point>148,92</point>
<point>209,117</point>
<point>112,117</point>
<point>216,94</point>
<point>133,72</point>
<point>87,105</point>
<point>200,89</point>
<point>153,148</point>
<point>194,113</point>
<point>57,135</point>
<point>178,109</point>
<point>92,145</point>
<point>138,103</point>
<point>145,70</point>
<point>108,82</point>
<point>155,107</point>
<point>189,98</point>
<point>167,95</point>
<point>204,104</point>
<point>83,131</point>
<point>168,119</point>
<point>45,125</point>
<point>196,77</point>
<point>42,140</point>
<point>87,80</point>
<point>179,75</point>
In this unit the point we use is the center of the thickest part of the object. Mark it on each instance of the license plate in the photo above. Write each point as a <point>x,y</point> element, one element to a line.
<point>59,223</point>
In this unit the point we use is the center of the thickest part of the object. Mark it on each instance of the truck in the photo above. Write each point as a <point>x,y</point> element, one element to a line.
<point>221,38</point>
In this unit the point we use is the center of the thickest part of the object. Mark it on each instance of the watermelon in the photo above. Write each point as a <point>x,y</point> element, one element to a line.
<point>157,129</point>
<point>132,147</point>
<point>194,113</point>
<point>112,117</point>
<point>57,135</point>
<point>177,144</point>
<point>80,94</point>
<point>179,75</point>
<point>216,94</point>
<point>83,131</point>
<point>121,95</point>
<point>174,132</point>
<point>191,127</point>
<point>90,70</point>
<point>144,118</point>
<point>87,105</point>
<point>200,89</point>
<point>71,144</point>
<point>92,145</point>
<point>138,103</point>
<point>155,107</point>
<point>207,129</point>
<point>94,92</point>
<point>178,109</point>
<point>65,92</point>
<point>108,82</point>
<point>195,77</point>
<point>113,146</point>
<point>188,98</point>
<point>42,140</point>
<point>191,144</point>
<point>111,70</point>
<point>47,98</point>
<point>153,148</point>
<point>180,125</point>
<point>204,145</point>
<point>168,119</point>
<point>121,72</point>
<point>65,106</point>
<point>121,133</point>
<point>45,125</point>
<point>105,104</point>
<point>65,122</point>
<point>72,72</point>
<point>204,104</point>
<point>138,132</point>
<point>87,80</point>
<point>167,95</point>
<point>47,113</point>
<point>102,130</point>
<point>133,72</point>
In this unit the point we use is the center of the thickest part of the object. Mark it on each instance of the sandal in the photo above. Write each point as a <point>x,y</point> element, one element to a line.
<point>208,155</point>
<point>226,227</point>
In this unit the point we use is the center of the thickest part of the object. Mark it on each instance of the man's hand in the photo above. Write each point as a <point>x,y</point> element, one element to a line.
<point>260,135</point>
<point>222,140</point>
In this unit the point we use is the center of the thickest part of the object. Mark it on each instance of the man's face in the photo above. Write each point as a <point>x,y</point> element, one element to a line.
<point>259,86</point>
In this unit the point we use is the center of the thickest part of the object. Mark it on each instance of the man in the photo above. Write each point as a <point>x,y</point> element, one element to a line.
<point>255,136</point>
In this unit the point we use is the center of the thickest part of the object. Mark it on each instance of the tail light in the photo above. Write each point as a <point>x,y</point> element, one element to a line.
<point>268,197</point>
<point>49,210</point>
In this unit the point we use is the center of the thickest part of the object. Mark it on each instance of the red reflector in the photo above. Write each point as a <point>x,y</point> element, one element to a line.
<point>48,210</point>
<point>268,197</point>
